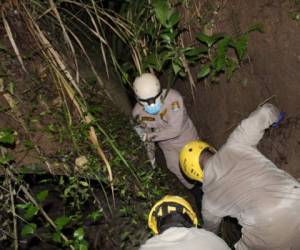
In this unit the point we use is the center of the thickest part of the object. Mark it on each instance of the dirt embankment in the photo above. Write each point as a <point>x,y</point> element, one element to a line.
<point>271,72</point>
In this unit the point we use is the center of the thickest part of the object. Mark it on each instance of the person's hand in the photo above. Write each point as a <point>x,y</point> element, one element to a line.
<point>279,120</point>
<point>144,137</point>
<point>141,133</point>
<point>153,163</point>
<point>151,136</point>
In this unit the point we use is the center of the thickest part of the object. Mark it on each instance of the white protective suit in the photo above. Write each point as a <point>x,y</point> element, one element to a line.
<point>242,183</point>
<point>172,129</point>
<point>182,238</point>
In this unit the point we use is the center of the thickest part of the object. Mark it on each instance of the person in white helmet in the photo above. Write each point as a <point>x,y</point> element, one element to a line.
<point>240,182</point>
<point>174,223</point>
<point>163,116</point>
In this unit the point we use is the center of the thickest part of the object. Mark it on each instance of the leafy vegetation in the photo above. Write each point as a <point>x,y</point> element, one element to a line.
<point>80,202</point>
<point>83,196</point>
<point>216,52</point>
<point>87,158</point>
<point>295,13</point>
<point>159,38</point>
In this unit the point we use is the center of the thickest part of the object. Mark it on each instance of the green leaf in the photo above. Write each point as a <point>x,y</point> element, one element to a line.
<point>166,56</point>
<point>125,235</point>
<point>51,128</point>
<point>83,246</point>
<point>69,189</point>
<point>152,61</point>
<point>79,233</point>
<point>141,194</point>
<point>168,37</point>
<point>203,38</point>
<point>256,27</point>
<point>220,58</point>
<point>209,40</point>
<point>84,183</point>
<point>61,181</point>
<point>7,136</point>
<point>182,73</point>
<point>96,215</point>
<point>23,206</point>
<point>28,144</point>
<point>177,67</point>
<point>28,229</point>
<point>231,66</point>
<point>295,15</point>
<point>192,52</point>
<point>60,222</point>
<point>11,88</point>
<point>41,196</point>
<point>240,46</point>
<point>204,71</point>
<point>161,10</point>
<point>30,211</point>
<point>56,237</point>
<point>173,20</point>
<point>6,159</point>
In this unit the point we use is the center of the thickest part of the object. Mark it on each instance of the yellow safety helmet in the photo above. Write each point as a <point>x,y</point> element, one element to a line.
<point>189,159</point>
<point>167,205</point>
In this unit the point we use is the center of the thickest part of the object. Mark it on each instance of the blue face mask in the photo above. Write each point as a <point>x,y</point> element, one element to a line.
<point>153,108</point>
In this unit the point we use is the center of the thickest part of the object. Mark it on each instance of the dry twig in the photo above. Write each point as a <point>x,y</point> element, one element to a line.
<point>12,40</point>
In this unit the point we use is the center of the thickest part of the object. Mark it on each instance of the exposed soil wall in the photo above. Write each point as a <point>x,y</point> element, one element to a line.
<point>270,72</point>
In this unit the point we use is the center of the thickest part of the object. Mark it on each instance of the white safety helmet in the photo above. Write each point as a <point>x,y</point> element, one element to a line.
<point>147,88</point>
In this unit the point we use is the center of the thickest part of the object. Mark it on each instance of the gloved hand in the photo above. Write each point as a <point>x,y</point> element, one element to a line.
<point>279,120</point>
<point>141,132</point>
<point>153,163</point>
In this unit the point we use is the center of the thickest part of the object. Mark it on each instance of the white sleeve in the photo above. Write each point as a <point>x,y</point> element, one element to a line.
<point>251,129</point>
<point>211,222</point>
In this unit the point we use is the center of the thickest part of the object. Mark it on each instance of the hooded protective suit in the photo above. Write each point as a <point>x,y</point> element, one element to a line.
<point>242,183</point>
<point>172,129</point>
<point>181,238</point>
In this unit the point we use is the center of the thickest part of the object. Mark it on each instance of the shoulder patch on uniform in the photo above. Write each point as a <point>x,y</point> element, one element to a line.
<point>147,118</point>
<point>175,106</point>
<point>163,113</point>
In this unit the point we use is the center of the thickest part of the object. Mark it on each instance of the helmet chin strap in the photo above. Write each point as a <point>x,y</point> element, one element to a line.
<point>151,99</point>
<point>164,95</point>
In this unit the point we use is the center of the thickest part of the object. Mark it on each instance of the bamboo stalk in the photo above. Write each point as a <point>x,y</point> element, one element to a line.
<point>97,30</point>
<point>57,63</point>
<point>66,37</point>
<point>94,139</point>
<point>45,43</point>
<point>187,69</point>
<point>12,41</point>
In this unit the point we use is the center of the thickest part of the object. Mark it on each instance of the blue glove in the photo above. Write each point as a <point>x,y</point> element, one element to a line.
<point>279,120</point>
